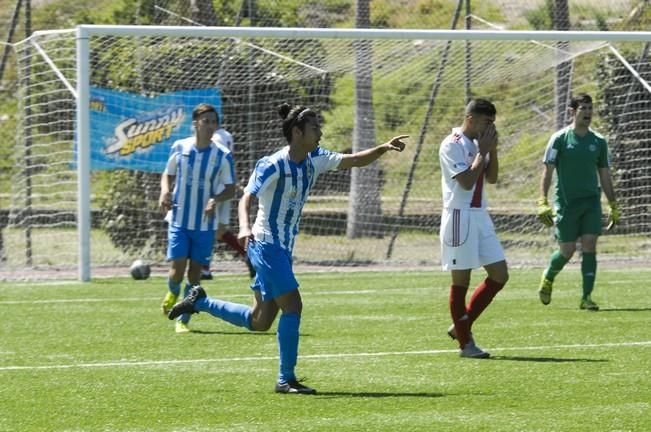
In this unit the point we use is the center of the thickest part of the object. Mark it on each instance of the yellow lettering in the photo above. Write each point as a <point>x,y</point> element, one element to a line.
<point>150,138</point>
<point>158,135</point>
<point>127,148</point>
<point>97,106</point>
<point>168,130</point>
<point>131,145</point>
<point>137,142</point>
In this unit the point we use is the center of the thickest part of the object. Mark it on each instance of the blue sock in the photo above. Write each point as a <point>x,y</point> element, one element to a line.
<point>234,313</point>
<point>174,287</point>
<point>185,318</point>
<point>288,333</point>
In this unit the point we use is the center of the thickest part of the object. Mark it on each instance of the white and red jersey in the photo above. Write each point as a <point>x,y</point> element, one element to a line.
<point>223,137</point>
<point>456,155</point>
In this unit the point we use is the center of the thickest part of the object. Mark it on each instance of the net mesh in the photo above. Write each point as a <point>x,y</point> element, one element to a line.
<point>250,78</point>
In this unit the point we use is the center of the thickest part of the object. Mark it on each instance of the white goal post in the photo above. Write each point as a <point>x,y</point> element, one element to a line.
<point>417,80</point>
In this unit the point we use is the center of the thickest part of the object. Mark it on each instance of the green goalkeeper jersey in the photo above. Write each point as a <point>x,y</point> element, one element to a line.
<point>577,160</point>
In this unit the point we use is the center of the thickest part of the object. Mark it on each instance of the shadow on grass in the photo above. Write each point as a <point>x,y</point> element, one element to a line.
<point>238,333</point>
<point>379,395</point>
<point>625,310</point>
<point>547,359</point>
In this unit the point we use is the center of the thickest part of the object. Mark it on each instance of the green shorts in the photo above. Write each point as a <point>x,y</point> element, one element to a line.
<point>579,217</point>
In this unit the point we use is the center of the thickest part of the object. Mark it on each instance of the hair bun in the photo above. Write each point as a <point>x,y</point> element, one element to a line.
<point>284,110</point>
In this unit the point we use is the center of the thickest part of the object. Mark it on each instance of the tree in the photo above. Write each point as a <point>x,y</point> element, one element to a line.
<point>364,208</point>
<point>203,12</point>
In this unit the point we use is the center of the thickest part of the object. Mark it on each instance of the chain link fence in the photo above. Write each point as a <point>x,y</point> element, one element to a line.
<point>16,23</point>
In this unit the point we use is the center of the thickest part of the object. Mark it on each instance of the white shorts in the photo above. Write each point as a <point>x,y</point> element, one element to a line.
<point>468,239</point>
<point>223,212</point>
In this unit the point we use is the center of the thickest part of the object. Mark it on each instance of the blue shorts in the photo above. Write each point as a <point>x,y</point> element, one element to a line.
<point>273,266</point>
<point>195,245</point>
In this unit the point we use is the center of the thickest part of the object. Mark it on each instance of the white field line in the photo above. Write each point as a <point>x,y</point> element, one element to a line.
<point>312,356</point>
<point>224,296</point>
<point>86,300</point>
<point>328,274</point>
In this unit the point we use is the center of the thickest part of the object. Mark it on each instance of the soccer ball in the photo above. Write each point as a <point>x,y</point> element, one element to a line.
<point>140,270</point>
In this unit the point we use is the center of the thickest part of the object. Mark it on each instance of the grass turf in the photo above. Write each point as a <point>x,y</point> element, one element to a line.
<point>101,357</point>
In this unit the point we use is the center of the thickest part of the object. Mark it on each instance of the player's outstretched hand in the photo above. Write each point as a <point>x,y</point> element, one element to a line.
<point>209,210</point>
<point>545,213</point>
<point>396,143</point>
<point>244,236</point>
<point>165,202</point>
<point>613,215</point>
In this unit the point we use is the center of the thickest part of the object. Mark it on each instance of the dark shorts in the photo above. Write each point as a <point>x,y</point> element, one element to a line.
<point>579,217</point>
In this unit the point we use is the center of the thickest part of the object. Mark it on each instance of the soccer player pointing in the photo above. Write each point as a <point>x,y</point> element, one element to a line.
<point>281,183</point>
<point>468,158</point>
<point>580,157</point>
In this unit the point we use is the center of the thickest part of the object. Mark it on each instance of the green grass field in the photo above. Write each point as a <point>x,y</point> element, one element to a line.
<point>101,357</point>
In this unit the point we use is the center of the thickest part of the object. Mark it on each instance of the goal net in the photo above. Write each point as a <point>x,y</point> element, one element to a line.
<point>100,107</point>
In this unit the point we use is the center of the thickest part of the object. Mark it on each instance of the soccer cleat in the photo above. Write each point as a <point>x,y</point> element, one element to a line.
<point>452,332</point>
<point>205,273</point>
<point>545,290</point>
<point>588,304</point>
<point>293,386</point>
<point>186,306</point>
<point>168,302</point>
<point>182,327</point>
<point>473,351</point>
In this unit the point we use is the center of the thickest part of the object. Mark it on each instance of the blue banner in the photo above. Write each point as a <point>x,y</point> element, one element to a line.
<point>136,132</point>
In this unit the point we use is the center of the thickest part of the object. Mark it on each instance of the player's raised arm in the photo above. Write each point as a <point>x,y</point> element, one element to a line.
<point>368,156</point>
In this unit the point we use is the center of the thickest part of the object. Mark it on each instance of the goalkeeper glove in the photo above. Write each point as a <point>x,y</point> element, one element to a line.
<point>613,215</point>
<point>545,212</point>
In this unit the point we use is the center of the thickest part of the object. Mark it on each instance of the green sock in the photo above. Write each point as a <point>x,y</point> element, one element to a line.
<point>556,264</point>
<point>589,272</point>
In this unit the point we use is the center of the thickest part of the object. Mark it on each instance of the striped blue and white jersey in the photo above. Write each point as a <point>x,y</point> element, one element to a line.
<point>282,187</point>
<point>199,174</point>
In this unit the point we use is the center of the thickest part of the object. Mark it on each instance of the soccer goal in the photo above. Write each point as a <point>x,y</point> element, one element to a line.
<point>100,105</point>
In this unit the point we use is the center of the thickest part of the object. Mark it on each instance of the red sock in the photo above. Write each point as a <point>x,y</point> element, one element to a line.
<point>458,312</point>
<point>231,240</point>
<point>482,297</point>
